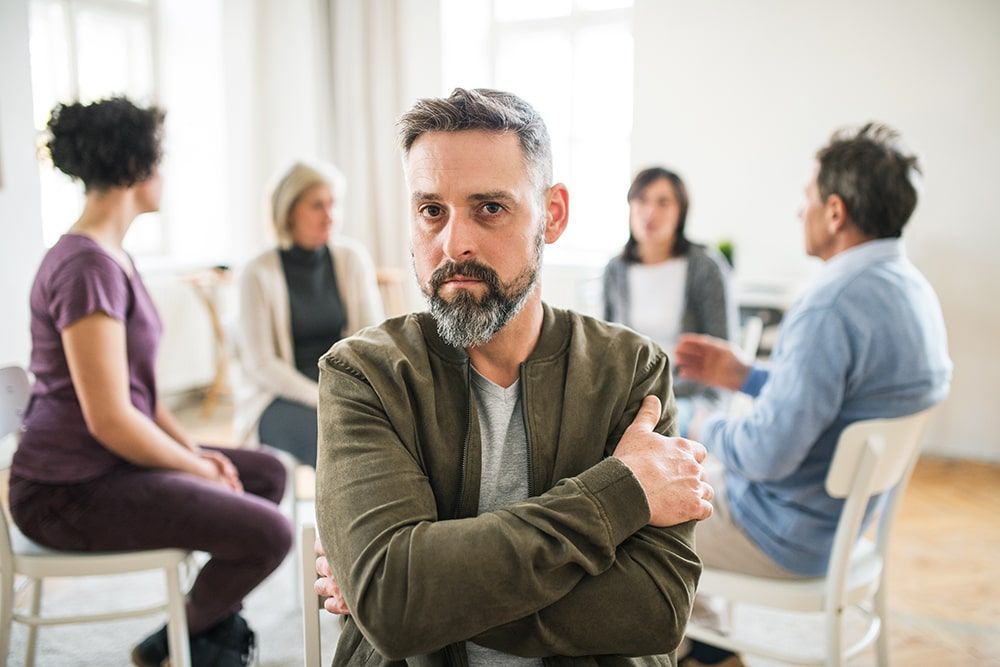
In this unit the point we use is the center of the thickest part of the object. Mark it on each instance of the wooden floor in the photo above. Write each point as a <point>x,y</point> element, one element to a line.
<point>945,567</point>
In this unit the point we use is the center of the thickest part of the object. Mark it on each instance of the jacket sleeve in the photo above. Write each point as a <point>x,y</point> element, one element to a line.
<point>638,606</point>
<point>258,347</point>
<point>414,583</point>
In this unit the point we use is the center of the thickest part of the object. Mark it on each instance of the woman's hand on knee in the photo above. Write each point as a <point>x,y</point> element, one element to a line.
<point>222,470</point>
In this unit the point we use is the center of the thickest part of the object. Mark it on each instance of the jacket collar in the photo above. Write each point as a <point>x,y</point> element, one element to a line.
<point>552,342</point>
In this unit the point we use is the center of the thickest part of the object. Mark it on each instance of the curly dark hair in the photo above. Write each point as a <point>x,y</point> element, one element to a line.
<point>871,171</point>
<point>107,144</point>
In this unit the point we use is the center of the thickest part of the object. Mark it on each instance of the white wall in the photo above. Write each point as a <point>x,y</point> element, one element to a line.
<point>738,96</point>
<point>20,209</point>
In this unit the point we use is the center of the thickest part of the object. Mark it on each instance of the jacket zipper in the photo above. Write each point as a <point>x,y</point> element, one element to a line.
<point>465,445</point>
<point>455,653</point>
<point>522,374</point>
<point>527,431</point>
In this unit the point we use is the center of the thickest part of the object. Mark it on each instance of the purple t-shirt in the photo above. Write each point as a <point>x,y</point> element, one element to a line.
<point>78,278</point>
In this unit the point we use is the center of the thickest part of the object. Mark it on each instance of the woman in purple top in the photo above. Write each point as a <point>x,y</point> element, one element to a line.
<point>103,465</point>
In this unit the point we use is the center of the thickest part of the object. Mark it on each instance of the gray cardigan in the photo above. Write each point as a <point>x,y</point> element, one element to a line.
<point>708,306</point>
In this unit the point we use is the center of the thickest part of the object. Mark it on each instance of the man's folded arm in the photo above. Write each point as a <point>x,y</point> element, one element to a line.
<point>641,604</point>
<point>415,584</point>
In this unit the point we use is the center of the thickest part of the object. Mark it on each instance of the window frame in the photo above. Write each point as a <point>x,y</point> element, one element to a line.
<point>572,25</point>
<point>132,9</point>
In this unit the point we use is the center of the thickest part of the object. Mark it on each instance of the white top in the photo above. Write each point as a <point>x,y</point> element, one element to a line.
<point>656,295</point>
<point>504,478</point>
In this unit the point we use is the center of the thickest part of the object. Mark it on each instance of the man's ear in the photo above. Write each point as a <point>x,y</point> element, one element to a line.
<point>556,212</point>
<point>836,213</point>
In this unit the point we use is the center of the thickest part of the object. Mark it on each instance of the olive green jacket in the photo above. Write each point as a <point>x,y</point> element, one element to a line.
<point>574,570</point>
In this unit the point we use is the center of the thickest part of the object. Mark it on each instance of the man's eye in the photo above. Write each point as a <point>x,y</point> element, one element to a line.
<point>431,211</point>
<point>492,208</point>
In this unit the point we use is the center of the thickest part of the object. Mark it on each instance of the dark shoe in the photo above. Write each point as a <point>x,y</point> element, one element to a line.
<point>732,661</point>
<point>152,651</point>
<point>703,655</point>
<point>230,643</point>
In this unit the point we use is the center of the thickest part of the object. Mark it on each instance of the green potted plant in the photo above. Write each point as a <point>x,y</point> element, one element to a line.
<point>725,247</point>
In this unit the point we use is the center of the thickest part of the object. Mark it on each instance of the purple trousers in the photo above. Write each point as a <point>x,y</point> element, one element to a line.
<point>134,508</point>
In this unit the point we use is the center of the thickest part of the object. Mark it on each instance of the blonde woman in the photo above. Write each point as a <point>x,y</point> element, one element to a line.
<point>296,301</point>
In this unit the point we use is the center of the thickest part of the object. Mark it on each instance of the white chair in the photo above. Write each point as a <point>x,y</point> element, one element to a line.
<point>750,334</point>
<point>872,457</point>
<point>19,556</point>
<point>311,603</point>
<point>299,488</point>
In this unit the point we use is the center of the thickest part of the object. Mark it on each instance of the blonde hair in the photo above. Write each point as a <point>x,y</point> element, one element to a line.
<point>300,177</point>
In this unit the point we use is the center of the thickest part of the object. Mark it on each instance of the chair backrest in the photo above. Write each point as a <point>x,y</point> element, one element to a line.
<point>390,285</point>
<point>14,392</point>
<point>750,335</point>
<point>872,457</point>
<point>739,404</point>
<point>894,442</point>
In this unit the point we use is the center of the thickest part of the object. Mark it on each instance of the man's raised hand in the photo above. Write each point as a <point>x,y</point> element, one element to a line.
<point>669,469</point>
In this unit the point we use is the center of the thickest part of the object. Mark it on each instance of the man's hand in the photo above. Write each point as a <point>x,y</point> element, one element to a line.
<point>326,585</point>
<point>710,361</point>
<point>669,469</point>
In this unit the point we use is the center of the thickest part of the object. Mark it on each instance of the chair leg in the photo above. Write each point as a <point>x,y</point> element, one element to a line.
<point>6,611</point>
<point>881,609</point>
<point>311,606</point>
<point>296,563</point>
<point>36,606</point>
<point>834,639</point>
<point>177,632</point>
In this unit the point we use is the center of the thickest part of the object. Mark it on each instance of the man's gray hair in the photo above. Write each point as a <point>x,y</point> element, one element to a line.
<point>874,175</point>
<point>483,109</point>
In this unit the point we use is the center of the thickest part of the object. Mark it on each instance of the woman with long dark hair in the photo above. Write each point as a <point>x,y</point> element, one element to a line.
<point>102,464</point>
<point>662,284</point>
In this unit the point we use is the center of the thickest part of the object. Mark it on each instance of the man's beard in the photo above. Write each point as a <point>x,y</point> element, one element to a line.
<point>467,321</point>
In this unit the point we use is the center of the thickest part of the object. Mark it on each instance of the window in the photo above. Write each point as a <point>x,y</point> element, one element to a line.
<point>572,60</point>
<point>86,50</point>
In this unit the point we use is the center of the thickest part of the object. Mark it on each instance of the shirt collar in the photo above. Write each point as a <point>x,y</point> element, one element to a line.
<point>860,256</point>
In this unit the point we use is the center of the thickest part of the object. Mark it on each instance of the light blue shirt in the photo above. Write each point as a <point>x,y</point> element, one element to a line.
<point>866,340</point>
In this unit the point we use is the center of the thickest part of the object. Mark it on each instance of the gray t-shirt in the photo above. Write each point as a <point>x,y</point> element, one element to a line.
<point>504,477</point>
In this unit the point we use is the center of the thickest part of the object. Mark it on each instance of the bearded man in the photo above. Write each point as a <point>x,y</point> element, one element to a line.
<point>497,479</point>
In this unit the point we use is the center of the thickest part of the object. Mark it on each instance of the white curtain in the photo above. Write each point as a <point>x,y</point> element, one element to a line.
<point>365,46</point>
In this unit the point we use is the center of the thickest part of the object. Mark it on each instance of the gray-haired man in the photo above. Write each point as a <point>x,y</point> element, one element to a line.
<point>495,482</point>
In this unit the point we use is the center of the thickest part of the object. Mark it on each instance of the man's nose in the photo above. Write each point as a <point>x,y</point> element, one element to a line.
<point>459,238</point>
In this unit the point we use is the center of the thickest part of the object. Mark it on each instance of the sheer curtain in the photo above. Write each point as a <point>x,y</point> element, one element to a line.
<point>380,55</point>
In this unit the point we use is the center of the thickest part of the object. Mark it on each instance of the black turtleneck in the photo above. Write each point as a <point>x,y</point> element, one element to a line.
<point>318,317</point>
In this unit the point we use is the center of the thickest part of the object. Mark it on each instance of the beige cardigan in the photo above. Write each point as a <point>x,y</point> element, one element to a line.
<point>264,338</point>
